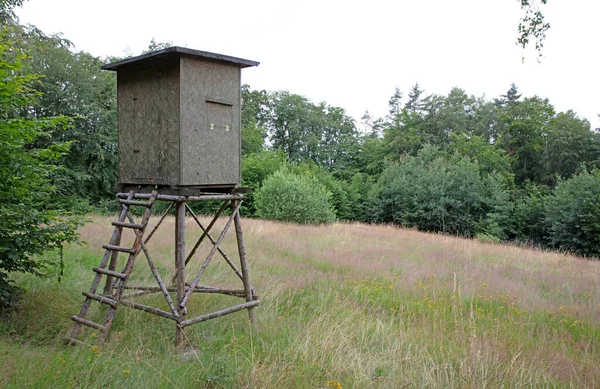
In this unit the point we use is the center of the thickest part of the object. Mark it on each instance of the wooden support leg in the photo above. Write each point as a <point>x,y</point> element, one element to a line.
<point>180,266</point>
<point>243,262</point>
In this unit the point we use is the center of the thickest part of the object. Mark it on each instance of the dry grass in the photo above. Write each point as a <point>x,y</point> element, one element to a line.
<point>363,306</point>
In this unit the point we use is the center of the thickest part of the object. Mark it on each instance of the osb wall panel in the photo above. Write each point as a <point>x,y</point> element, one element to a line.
<point>148,117</point>
<point>210,133</point>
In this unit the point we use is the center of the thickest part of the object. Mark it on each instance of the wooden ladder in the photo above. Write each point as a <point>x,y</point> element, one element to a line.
<point>115,280</point>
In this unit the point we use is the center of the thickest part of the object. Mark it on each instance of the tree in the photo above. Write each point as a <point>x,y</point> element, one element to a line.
<point>524,126</point>
<point>491,159</point>
<point>253,139</point>
<point>444,115</point>
<point>415,102</point>
<point>155,46</point>
<point>256,107</point>
<point>27,228</point>
<point>570,143</point>
<point>395,103</point>
<point>510,99</point>
<point>573,214</point>
<point>306,131</point>
<point>72,84</point>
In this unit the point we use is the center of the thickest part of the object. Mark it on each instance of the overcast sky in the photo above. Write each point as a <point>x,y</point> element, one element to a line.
<point>353,54</point>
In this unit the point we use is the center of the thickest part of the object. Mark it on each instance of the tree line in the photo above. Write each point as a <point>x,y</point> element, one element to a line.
<point>503,169</point>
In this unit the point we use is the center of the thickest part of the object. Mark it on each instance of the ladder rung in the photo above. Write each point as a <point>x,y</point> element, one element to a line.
<point>129,225</point>
<point>110,273</point>
<point>76,341</point>
<point>101,299</point>
<point>118,248</point>
<point>137,203</point>
<point>88,323</point>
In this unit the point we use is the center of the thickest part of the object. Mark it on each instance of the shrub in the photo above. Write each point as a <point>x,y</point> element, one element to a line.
<point>290,197</point>
<point>438,192</point>
<point>338,189</point>
<point>255,169</point>
<point>573,214</point>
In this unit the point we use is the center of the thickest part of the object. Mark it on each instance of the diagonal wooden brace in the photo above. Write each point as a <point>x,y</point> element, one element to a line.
<point>223,254</point>
<point>206,231</point>
<point>209,257</point>
<point>157,276</point>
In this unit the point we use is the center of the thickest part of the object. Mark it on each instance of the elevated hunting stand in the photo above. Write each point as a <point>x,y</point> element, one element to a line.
<point>179,142</point>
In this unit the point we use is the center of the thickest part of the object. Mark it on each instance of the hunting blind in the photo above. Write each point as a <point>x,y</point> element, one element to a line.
<point>178,118</point>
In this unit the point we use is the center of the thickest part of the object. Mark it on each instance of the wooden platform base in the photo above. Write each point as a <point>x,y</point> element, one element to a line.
<point>180,287</point>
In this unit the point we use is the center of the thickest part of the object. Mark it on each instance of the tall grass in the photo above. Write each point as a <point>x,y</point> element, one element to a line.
<point>346,305</point>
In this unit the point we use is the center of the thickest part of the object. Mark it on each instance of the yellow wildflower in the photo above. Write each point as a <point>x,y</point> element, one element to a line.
<point>335,384</point>
<point>126,371</point>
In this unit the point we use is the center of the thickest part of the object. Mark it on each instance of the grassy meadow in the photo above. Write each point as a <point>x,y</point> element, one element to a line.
<point>342,306</point>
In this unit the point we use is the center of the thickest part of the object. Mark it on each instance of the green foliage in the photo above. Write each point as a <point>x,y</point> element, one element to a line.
<point>337,188</point>
<point>296,198</point>
<point>438,192</point>
<point>72,84</point>
<point>253,139</point>
<point>512,142</point>
<point>573,214</point>
<point>525,125</point>
<point>255,169</point>
<point>256,107</point>
<point>6,10</point>
<point>532,25</point>
<point>26,228</point>
<point>155,46</point>
<point>491,159</point>
<point>312,132</point>
<point>529,214</point>
<point>569,144</point>
<point>358,197</point>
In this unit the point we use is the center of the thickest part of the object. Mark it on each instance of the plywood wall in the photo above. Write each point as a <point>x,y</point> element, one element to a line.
<point>210,133</point>
<point>148,124</point>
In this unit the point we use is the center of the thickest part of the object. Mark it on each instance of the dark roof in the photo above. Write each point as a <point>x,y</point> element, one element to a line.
<point>181,51</point>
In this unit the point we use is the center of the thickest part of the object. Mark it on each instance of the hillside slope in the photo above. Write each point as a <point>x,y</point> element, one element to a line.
<point>347,305</point>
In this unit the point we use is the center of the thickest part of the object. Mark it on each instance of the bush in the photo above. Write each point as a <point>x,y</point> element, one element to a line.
<point>573,214</point>
<point>255,169</point>
<point>338,189</point>
<point>440,193</point>
<point>290,197</point>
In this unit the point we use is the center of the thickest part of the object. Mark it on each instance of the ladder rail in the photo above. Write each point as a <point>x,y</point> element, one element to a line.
<point>111,252</point>
<point>116,236</point>
<point>121,283</point>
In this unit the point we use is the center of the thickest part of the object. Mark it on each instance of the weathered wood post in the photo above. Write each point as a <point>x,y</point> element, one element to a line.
<point>180,266</point>
<point>249,293</point>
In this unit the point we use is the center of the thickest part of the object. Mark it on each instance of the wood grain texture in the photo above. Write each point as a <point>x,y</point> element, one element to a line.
<point>148,124</point>
<point>210,128</point>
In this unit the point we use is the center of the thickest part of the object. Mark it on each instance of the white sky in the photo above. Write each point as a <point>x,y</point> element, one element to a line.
<point>352,53</point>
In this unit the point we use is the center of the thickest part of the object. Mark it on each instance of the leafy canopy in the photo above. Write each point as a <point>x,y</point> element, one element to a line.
<point>27,153</point>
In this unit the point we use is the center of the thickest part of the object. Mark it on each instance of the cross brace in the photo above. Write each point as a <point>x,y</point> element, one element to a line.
<point>116,281</point>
